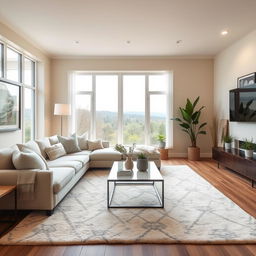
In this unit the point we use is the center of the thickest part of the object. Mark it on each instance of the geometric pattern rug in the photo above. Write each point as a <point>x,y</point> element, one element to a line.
<point>195,212</point>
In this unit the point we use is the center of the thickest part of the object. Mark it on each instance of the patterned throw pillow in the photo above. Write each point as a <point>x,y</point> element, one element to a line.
<point>55,151</point>
<point>93,145</point>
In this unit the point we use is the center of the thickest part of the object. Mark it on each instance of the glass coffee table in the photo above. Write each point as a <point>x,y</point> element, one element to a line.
<point>151,177</point>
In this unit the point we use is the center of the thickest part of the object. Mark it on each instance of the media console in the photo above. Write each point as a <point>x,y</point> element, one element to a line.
<point>234,159</point>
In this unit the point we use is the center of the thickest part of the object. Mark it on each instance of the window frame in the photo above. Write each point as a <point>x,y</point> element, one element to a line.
<point>21,84</point>
<point>120,114</point>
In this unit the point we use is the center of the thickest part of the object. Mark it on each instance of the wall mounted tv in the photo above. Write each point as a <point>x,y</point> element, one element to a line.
<point>242,105</point>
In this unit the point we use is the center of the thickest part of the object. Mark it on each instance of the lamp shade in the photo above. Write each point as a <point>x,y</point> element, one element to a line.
<point>62,109</point>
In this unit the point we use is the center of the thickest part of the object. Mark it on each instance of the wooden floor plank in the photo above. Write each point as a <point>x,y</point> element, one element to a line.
<point>92,250</point>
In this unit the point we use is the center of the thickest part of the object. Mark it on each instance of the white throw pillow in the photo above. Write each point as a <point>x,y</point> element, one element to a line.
<point>31,145</point>
<point>28,160</point>
<point>54,140</point>
<point>93,145</point>
<point>82,140</point>
<point>55,151</point>
<point>43,143</point>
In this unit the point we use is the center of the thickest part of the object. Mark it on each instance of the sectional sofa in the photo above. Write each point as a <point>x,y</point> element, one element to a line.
<point>52,185</point>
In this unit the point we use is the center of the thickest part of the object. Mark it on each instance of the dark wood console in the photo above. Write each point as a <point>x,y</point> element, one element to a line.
<point>234,159</point>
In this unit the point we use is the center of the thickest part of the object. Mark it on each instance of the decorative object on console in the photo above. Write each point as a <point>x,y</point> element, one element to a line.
<point>161,138</point>
<point>9,107</point>
<point>227,141</point>
<point>248,147</point>
<point>62,110</point>
<point>190,124</point>
<point>247,81</point>
<point>142,162</point>
<point>223,129</point>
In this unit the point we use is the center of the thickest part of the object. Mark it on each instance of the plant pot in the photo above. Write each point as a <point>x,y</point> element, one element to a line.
<point>142,164</point>
<point>193,153</point>
<point>248,153</point>
<point>227,146</point>
<point>162,144</point>
<point>128,164</point>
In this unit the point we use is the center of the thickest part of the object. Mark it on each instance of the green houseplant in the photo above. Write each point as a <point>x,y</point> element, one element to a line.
<point>142,162</point>
<point>161,139</point>
<point>190,124</point>
<point>227,141</point>
<point>248,147</point>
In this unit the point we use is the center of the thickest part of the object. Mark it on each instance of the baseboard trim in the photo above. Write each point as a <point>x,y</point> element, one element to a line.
<point>203,155</point>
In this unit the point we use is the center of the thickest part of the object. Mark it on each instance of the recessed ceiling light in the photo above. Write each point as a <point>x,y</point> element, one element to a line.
<point>128,41</point>
<point>178,41</point>
<point>76,42</point>
<point>224,32</point>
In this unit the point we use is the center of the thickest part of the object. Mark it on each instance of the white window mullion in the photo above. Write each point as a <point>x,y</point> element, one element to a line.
<point>147,111</point>
<point>93,108</point>
<point>120,109</point>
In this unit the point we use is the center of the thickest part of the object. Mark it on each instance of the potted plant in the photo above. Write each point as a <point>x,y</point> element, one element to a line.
<point>227,141</point>
<point>161,139</point>
<point>189,122</point>
<point>248,147</point>
<point>128,162</point>
<point>142,162</point>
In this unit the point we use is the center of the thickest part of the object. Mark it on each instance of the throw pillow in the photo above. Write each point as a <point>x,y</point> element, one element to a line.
<point>93,145</point>
<point>28,160</point>
<point>43,143</point>
<point>70,144</point>
<point>31,145</point>
<point>55,151</point>
<point>82,140</point>
<point>54,140</point>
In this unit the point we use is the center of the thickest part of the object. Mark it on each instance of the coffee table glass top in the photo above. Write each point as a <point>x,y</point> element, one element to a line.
<point>152,174</point>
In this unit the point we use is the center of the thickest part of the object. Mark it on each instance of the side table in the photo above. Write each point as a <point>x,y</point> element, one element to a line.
<point>6,190</point>
<point>163,153</point>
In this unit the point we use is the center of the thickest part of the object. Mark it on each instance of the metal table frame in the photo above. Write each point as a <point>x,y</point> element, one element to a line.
<point>135,183</point>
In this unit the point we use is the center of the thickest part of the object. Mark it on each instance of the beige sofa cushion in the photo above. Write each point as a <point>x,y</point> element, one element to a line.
<point>80,158</point>
<point>6,158</point>
<point>43,144</point>
<point>81,153</point>
<point>105,154</point>
<point>61,177</point>
<point>76,165</point>
<point>55,151</point>
<point>31,145</point>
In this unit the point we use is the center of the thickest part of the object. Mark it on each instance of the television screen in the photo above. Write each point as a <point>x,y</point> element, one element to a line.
<point>242,105</point>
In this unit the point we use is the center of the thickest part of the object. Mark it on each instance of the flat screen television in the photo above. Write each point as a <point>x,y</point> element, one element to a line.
<point>242,105</point>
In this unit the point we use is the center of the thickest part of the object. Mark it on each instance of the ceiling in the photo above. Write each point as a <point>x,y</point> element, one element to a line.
<point>153,27</point>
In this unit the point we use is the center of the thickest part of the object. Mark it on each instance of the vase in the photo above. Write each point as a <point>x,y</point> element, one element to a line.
<point>128,164</point>
<point>193,153</point>
<point>227,146</point>
<point>248,153</point>
<point>142,164</point>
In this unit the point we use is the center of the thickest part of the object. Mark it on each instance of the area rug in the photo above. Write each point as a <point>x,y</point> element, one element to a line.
<point>195,212</point>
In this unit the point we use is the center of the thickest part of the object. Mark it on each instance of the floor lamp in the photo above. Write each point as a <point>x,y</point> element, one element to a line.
<point>62,110</point>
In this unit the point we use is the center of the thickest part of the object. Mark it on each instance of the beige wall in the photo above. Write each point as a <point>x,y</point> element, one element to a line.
<point>43,113</point>
<point>235,61</point>
<point>192,78</point>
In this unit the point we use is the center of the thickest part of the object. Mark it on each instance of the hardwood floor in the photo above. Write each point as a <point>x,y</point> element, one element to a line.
<point>232,185</point>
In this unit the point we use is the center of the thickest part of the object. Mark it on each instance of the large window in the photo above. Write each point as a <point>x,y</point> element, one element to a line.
<point>122,107</point>
<point>19,69</point>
